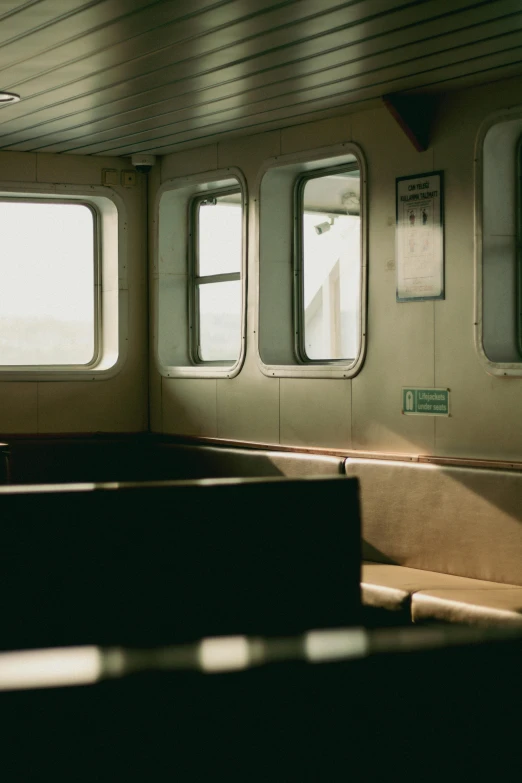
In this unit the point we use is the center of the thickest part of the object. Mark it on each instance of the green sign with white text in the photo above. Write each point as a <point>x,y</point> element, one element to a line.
<point>425,402</point>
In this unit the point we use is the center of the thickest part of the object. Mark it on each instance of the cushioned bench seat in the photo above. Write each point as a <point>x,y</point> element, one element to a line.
<point>429,595</point>
<point>494,605</point>
<point>453,537</point>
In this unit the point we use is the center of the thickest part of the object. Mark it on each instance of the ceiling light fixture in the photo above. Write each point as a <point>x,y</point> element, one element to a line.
<point>8,97</point>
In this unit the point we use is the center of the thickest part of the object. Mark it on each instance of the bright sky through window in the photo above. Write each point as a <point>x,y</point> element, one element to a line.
<point>220,249</point>
<point>47,284</point>
<point>220,235</point>
<point>331,285</point>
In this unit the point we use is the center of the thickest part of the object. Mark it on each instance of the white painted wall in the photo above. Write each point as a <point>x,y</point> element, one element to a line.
<point>409,344</point>
<point>117,404</point>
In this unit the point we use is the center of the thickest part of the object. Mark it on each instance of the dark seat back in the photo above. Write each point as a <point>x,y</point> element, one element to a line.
<point>147,564</point>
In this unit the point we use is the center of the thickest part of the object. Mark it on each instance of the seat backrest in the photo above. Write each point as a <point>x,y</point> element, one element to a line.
<point>456,520</point>
<point>40,460</point>
<point>167,562</point>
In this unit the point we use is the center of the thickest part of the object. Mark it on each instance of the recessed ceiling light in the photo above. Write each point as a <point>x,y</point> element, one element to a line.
<point>8,97</point>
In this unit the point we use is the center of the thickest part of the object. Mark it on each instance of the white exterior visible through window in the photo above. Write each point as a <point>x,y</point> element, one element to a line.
<point>329,266</point>
<point>48,307</point>
<point>216,322</point>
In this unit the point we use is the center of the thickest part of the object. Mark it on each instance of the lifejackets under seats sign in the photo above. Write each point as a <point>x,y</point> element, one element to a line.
<point>425,402</point>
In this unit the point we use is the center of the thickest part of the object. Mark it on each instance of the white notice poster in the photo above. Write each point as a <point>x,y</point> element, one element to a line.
<point>419,237</point>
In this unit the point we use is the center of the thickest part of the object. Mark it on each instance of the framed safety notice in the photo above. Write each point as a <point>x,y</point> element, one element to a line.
<point>419,237</point>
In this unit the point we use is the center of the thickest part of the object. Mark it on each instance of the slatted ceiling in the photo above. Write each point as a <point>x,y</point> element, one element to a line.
<point>334,66</point>
<point>319,87</point>
<point>123,76</point>
<point>33,103</point>
<point>180,81</point>
<point>170,58</point>
<point>76,85</point>
<point>207,123</point>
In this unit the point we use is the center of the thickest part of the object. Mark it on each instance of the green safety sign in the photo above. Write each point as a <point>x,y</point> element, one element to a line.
<point>427,402</point>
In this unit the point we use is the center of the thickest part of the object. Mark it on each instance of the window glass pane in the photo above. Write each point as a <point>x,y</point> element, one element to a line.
<point>47,305</point>
<point>219,321</point>
<point>220,235</point>
<point>331,266</point>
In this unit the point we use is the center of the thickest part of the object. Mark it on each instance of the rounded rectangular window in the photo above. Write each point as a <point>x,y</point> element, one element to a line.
<point>498,305</point>
<point>216,276</point>
<point>48,283</point>
<point>328,265</point>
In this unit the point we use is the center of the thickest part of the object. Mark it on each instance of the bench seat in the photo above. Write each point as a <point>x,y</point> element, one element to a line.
<point>496,604</point>
<point>441,542</point>
<point>424,596</point>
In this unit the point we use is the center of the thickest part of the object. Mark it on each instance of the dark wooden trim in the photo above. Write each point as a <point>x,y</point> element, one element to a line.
<point>464,462</point>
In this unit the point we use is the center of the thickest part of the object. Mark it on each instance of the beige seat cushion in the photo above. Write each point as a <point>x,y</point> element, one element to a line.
<point>392,586</point>
<point>452,520</point>
<point>494,605</point>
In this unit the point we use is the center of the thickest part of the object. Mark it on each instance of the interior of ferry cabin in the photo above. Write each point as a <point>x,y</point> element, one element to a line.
<point>272,242</point>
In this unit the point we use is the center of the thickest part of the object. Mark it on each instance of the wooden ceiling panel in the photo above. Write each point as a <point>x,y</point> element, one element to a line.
<point>123,76</point>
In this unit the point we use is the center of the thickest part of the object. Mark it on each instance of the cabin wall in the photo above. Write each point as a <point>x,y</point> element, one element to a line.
<point>117,404</point>
<point>409,344</point>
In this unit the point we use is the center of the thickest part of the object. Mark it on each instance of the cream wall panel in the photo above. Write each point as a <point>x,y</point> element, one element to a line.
<point>17,166</point>
<point>316,413</point>
<point>248,407</point>
<point>316,134</point>
<point>136,231</point>
<point>114,405</point>
<point>155,386</point>
<point>486,411</point>
<point>399,354</point>
<point>137,356</point>
<point>400,335</point>
<point>76,169</point>
<point>18,408</point>
<point>194,161</point>
<point>155,406</point>
<point>189,406</point>
<point>248,153</point>
<point>96,407</point>
<point>82,407</point>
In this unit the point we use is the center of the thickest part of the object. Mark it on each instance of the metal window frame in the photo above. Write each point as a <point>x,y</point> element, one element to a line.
<point>196,280</point>
<point>97,280</point>
<point>298,261</point>
<point>513,368</point>
<point>518,212</point>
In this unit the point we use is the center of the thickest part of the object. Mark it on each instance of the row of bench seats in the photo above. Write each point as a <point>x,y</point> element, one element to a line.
<point>165,562</point>
<point>440,542</point>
